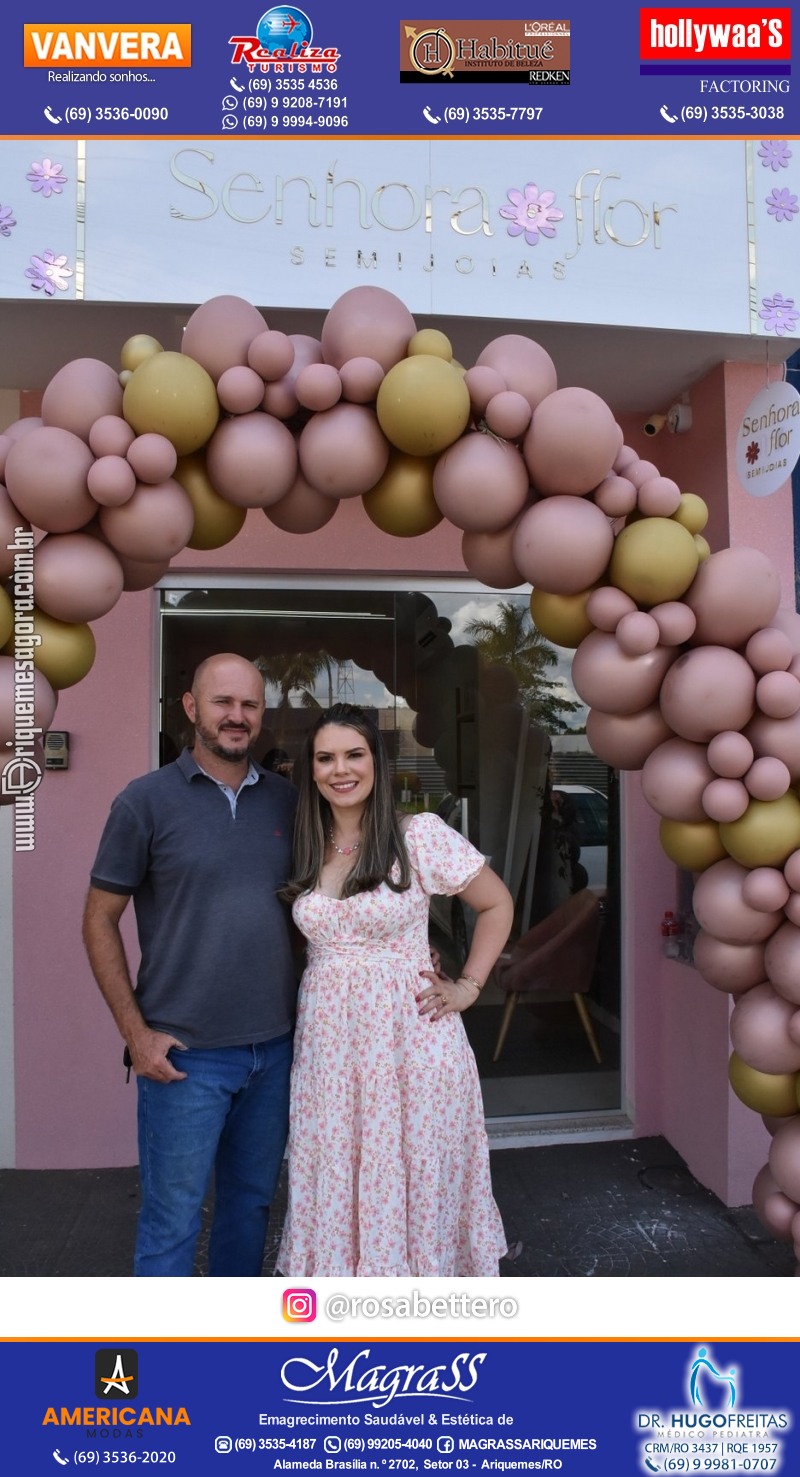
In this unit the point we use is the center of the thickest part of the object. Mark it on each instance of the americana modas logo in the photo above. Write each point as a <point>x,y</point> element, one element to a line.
<point>116,1374</point>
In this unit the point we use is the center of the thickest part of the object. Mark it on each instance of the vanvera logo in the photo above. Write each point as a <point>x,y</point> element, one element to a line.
<point>720,34</point>
<point>361,1383</point>
<point>68,45</point>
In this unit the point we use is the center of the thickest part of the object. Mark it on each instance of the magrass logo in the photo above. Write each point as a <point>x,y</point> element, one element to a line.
<point>116,1374</point>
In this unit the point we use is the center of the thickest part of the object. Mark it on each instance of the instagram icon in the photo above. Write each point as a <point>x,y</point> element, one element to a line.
<point>300,1305</point>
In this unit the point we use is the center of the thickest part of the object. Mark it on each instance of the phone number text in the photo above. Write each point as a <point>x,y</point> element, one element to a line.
<point>116,115</point>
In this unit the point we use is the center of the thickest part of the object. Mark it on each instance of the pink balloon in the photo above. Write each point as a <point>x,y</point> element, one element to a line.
<point>674,778</point>
<point>361,380</point>
<point>483,383</point>
<point>637,633</point>
<point>271,354</point>
<point>318,387</point>
<point>791,871</point>
<point>111,481</point>
<point>794,1027</point>
<point>110,436</point>
<point>480,484</point>
<point>11,519</point>
<point>777,737</point>
<point>778,694</point>
<point>523,365</point>
<point>626,741</point>
<point>252,460</point>
<point>141,575</point>
<point>659,497</point>
<point>490,558</point>
<point>734,593</point>
<point>772,1122</point>
<point>77,578</point>
<point>708,690</point>
<point>720,907</point>
<point>5,446</point>
<point>767,779</point>
<point>563,545</point>
<point>675,621</point>
<point>615,496</point>
<point>782,962</point>
<point>732,968</point>
<point>730,754</point>
<point>769,650</point>
<point>302,510</point>
<point>774,1209</point>
<point>571,443</point>
<point>759,1030</point>
<point>367,322</point>
<point>784,1158</point>
<point>44,702</point>
<point>639,472</point>
<point>220,332</point>
<point>18,430</point>
<point>765,889</point>
<point>792,908</point>
<point>46,479</point>
<point>725,800</point>
<point>343,451</point>
<point>155,524</point>
<point>279,396</point>
<point>80,393</point>
<point>625,457</point>
<point>240,389</point>
<point>606,607</point>
<point>508,414</point>
<point>784,620</point>
<point>152,457</point>
<point>605,678</point>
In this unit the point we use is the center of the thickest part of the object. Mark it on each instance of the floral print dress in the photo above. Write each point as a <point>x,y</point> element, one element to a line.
<point>388,1156</point>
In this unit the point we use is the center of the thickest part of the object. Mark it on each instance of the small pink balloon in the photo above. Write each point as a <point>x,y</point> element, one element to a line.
<point>563,545</point>
<point>302,510</point>
<point>765,889</point>
<point>152,457</point>
<point>637,633</point>
<point>784,1158</point>
<point>523,365</point>
<point>782,962</point>
<point>483,383</point>
<point>271,354</point>
<point>767,779</point>
<point>77,578</point>
<point>706,691</point>
<point>155,524</point>
<point>367,322</point>
<point>730,754</point>
<point>732,968</point>
<point>111,481</point>
<point>774,1209</point>
<point>792,908</point>
<point>777,737</point>
<point>279,395</point>
<point>508,414</point>
<point>788,621</point>
<point>220,332</point>
<point>720,907</point>
<point>674,779</point>
<point>605,678</point>
<point>769,650</point>
<point>490,558</point>
<point>659,497</point>
<point>571,443</point>
<point>361,379</point>
<point>778,694</point>
<point>675,621</point>
<point>759,1030</point>
<point>343,451</point>
<point>110,436</point>
<point>734,593</point>
<point>240,389</point>
<point>615,496</point>
<point>639,472</point>
<point>725,800</point>
<point>318,387</point>
<point>626,456</point>
<point>606,607</point>
<point>251,460</point>
<point>626,741</point>
<point>480,484</point>
<point>79,394</point>
<point>141,575</point>
<point>791,871</point>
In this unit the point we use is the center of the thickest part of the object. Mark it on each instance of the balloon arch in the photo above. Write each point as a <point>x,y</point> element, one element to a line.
<point>690,670</point>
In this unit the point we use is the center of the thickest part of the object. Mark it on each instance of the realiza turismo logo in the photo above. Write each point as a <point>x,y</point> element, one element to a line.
<point>283,43</point>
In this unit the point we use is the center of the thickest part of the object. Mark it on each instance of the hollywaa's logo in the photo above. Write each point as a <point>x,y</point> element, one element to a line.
<point>283,43</point>
<point>361,1383</point>
<point>715,34</point>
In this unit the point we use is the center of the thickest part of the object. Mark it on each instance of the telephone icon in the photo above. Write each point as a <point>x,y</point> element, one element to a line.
<point>431,117</point>
<point>52,117</point>
<point>60,1458</point>
<point>236,86</point>
<point>665,113</point>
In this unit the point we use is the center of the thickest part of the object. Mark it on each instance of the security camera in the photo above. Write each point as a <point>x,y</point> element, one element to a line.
<point>654,424</point>
<point>679,418</point>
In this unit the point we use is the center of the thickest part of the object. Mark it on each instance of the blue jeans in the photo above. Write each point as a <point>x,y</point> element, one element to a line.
<point>230,1115</point>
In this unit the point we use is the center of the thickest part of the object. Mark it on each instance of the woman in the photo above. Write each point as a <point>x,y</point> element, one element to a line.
<point>388,1158</point>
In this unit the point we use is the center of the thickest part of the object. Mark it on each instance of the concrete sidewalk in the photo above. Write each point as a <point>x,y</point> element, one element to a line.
<point>627,1208</point>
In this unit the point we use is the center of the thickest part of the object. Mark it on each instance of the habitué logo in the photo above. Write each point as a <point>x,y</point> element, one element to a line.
<point>116,1374</point>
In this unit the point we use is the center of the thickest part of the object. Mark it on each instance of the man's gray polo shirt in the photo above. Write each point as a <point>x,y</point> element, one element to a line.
<point>217,966</point>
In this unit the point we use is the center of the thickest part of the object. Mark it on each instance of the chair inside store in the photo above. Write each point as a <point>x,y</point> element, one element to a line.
<point>554,961</point>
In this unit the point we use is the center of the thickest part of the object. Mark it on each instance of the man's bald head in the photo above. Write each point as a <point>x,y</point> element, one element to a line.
<point>226,706</point>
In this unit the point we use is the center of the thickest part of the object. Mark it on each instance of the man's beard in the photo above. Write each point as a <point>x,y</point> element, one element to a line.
<point>216,745</point>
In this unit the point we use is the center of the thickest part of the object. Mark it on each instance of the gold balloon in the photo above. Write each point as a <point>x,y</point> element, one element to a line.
<point>694,845</point>
<point>138,348</point>
<point>174,396</point>
<point>653,560</point>
<point>431,341</point>
<point>423,405</point>
<point>216,521</point>
<point>66,652</point>
<point>702,546</point>
<point>402,502</point>
<point>764,1092</point>
<point>6,617</point>
<point>561,618</point>
<point>692,513</point>
<point>767,833</point>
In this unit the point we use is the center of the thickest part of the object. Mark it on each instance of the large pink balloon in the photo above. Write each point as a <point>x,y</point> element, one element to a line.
<point>782,962</point>
<point>733,968</point>
<point>563,545</point>
<point>46,479</point>
<point>220,332</point>
<point>674,778</point>
<point>480,484</point>
<point>774,1209</point>
<point>734,593</point>
<point>605,678</point>
<point>367,322</point>
<point>11,519</point>
<point>708,690</point>
<point>490,558</point>
<point>79,394</point>
<point>280,398</point>
<point>626,741</point>
<point>571,442</point>
<point>343,452</point>
<point>302,510</point>
<point>77,578</point>
<point>154,525</point>
<point>523,365</point>
<point>759,1031</point>
<point>784,1158</point>
<point>251,460</point>
<point>44,702</point>
<point>720,907</point>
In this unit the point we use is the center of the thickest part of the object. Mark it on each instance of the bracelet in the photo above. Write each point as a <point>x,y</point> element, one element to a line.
<point>469,980</point>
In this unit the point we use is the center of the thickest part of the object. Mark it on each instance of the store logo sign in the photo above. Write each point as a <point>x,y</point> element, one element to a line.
<point>720,34</point>
<point>159,45</point>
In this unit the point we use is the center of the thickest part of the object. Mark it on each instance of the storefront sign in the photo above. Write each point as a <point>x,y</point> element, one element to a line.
<point>768,443</point>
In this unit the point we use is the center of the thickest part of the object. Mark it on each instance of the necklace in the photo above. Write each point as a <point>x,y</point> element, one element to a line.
<point>343,850</point>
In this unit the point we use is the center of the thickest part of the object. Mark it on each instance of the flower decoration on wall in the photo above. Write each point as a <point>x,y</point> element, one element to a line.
<point>7,220</point>
<point>774,154</point>
<point>48,272</point>
<point>531,213</point>
<point>779,314</point>
<point>46,178</point>
<point>752,453</point>
<point>782,205</point>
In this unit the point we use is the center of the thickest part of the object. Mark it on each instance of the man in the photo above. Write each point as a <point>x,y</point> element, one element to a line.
<point>202,846</point>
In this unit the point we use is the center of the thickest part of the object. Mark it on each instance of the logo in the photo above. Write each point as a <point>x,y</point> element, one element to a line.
<point>20,776</point>
<point>107,46</point>
<point>536,52</point>
<point>715,34</point>
<point>361,1383</point>
<point>116,1374</point>
<point>283,43</point>
<point>705,1379</point>
<point>300,1305</point>
<point>768,440</point>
